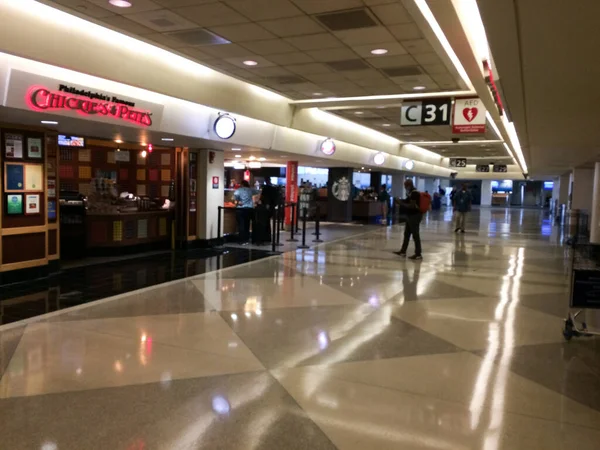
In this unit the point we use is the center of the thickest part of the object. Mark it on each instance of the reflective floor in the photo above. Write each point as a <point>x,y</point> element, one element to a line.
<point>345,346</point>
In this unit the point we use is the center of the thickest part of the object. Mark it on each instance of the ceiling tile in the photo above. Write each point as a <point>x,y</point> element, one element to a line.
<point>377,2</point>
<point>320,6</point>
<point>435,69</point>
<point>372,83</point>
<point>363,36</point>
<point>82,7</point>
<point>228,51</point>
<point>393,61</point>
<point>269,47</point>
<point>309,69</point>
<point>291,58</point>
<point>418,46</point>
<point>324,77</point>
<point>195,53</point>
<point>127,25</point>
<point>162,21</point>
<point>393,48</point>
<point>239,62</point>
<point>368,74</point>
<point>164,40</point>
<point>243,32</point>
<point>264,9</point>
<point>314,41</point>
<point>404,32</point>
<point>270,71</point>
<point>338,85</point>
<point>137,7</point>
<point>212,14</point>
<point>392,89</point>
<point>295,26</point>
<point>332,54</point>
<point>392,14</point>
<point>444,79</point>
<point>428,58</point>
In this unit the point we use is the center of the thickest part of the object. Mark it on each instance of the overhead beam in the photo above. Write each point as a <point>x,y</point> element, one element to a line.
<point>374,100</point>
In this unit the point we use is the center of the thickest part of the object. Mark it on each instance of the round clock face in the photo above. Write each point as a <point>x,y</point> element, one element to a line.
<point>379,159</point>
<point>328,147</point>
<point>225,126</point>
<point>409,165</point>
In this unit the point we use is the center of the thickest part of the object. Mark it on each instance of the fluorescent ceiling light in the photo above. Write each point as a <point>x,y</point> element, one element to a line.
<point>419,88</point>
<point>168,139</point>
<point>435,26</point>
<point>239,166</point>
<point>412,96</point>
<point>121,3</point>
<point>450,143</point>
<point>119,141</point>
<point>386,124</point>
<point>250,63</point>
<point>236,149</point>
<point>317,94</point>
<point>379,51</point>
<point>470,19</point>
<point>252,158</point>
<point>49,122</point>
<point>359,113</point>
<point>262,159</point>
<point>254,165</point>
<point>238,156</point>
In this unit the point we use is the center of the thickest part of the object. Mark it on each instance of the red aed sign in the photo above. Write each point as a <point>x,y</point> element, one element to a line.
<point>40,99</point>
<point>215,182</point>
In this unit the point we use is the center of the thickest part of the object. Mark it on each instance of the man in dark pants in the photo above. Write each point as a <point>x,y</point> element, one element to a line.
<point>410,207</point>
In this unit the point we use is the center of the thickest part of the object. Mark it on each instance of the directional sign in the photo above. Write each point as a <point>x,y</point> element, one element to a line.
<point>500,168</point>
<point>458,162</point>
<point>435,111</point>
<point>469,116</point>
<point>482,168</point>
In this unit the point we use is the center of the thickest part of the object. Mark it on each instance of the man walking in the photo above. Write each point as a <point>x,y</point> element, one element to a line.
<point>411,208</point>
<point>462,205</point>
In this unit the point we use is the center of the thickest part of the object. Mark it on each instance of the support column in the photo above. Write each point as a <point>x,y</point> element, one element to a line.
<point>486,192</point>
<point>376,180</point>
<point>397,185</point>
<point>339,194</point>
<point>583,186</point>
<point>210,192</point>
<point>563,190</point>
<point>595,219</point>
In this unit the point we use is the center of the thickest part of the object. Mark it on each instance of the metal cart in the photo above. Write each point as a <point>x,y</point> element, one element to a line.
<point>585,280</point>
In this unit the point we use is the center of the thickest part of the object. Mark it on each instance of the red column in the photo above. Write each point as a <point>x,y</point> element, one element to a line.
<point>291,188</point>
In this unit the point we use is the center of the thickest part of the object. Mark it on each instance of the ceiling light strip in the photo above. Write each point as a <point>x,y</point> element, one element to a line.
<point>435,26</point>
<point>412,96</point>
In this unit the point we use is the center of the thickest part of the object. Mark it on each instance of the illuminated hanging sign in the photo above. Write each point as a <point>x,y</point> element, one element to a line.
<point>328,147</point>
<point>379,159</point>
<point>224,126</point>
<point>40,98</point>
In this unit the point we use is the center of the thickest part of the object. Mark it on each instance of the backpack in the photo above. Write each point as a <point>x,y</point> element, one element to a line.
<point>424,202</point>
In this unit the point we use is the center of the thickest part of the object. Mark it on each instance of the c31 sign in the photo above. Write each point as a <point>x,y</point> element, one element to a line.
<point>435,111</point>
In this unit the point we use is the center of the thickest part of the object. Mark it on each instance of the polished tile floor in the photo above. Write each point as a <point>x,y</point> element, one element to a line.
<point>343,346</point>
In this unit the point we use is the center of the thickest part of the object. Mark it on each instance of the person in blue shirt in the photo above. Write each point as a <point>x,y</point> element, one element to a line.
<point>462,205</point>
<point>244,202</point>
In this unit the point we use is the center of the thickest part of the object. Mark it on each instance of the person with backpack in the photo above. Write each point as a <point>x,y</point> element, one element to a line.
<point>413,207</point>
<point>462,205</point>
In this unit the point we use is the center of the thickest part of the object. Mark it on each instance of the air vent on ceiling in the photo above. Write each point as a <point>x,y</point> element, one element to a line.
<point>288,79</point>
<point>348,64</point>
<point>162,23</point>
<point>198,37</point>
<point>402,71</point>
<point>347,20</point>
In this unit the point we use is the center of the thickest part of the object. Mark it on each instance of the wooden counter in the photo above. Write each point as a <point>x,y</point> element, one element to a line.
<point>366,210</point>
<point>128,229</point>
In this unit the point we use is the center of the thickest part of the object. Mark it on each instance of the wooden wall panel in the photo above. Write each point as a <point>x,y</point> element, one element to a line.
<point>52,242</point>
<point>23,247</point>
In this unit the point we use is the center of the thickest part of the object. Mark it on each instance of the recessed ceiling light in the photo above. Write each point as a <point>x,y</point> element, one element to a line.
<point>250,63</point>
<point>121,3</point>
<point>238,156</point>
<point>419,88</point>
<point>49,122</point>
<point>119,141</point>
<point>262,159</point>
<point>283,156</point>
<point>381,107</point>
<point>359,113</point>
<point>386,124</point>
<point>362,168</point>
<point>317,94</point>
<point>143,144</point>
<point>379,51</point>
<point>168,139</point>
<point>236,149</point>
<point>252,158</point>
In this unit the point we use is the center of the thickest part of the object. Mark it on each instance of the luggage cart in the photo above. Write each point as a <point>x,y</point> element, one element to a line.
<point>585,288</point>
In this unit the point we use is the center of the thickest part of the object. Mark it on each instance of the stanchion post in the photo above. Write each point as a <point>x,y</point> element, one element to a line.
<point>304,214</point>
<point>297,224</point>
<point>292,239</point>
<point>278,234</point>
<point>274,230</point>
<point>219,208</point>
<point>318,225</point>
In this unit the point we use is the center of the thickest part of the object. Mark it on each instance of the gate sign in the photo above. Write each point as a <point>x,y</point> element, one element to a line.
<point>458,162</point>
<point>435,111</point>
<point>500,168</point>
<point>482,168</point>
<point>469,116</point>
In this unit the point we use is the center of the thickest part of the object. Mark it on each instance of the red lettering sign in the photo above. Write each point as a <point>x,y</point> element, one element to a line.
<point>42,99</point>
<point>291,188</point>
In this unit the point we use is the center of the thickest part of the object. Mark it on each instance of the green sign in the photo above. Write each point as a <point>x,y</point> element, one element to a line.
<point>14,204</point>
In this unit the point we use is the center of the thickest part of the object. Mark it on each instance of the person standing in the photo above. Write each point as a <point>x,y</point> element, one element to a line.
<point>268,199</point>
<point>384,201</point>
<point>411,207</point>
<point>244,202</point>
<point>462,205</point>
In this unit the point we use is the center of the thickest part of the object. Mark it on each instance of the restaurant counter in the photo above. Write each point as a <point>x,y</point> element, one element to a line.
<point>365,210</point>
<point>128,228</point>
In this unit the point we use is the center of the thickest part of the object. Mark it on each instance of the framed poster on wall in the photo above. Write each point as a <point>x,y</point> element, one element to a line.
<point>14,177</point>
<point>14,204</point>
<point>13,146</point>
<point>34,176</point>
<point>32,204</point>
<point>34,148</point>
